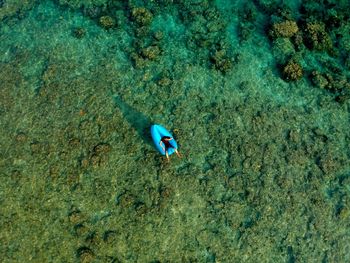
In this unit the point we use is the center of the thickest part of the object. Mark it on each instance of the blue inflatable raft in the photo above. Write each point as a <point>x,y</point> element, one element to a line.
<point>157,132</point>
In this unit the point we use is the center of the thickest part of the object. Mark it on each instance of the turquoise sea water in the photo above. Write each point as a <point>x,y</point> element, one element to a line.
<point>256,93</point>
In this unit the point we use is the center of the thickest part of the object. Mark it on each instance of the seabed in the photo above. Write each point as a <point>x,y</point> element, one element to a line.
<point>256,93</point>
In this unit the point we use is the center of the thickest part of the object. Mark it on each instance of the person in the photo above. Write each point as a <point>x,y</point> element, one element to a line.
<point>165,144</point>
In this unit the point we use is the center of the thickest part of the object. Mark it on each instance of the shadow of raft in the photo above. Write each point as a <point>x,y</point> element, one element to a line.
<point>139,121</point>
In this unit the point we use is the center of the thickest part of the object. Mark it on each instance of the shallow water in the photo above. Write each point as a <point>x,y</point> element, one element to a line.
<point>265,172</point>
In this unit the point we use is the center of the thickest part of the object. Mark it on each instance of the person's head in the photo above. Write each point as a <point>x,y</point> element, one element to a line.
<point>166,138</point>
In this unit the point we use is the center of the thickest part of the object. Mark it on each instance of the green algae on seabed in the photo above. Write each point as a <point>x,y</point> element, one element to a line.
<point>266,167</point>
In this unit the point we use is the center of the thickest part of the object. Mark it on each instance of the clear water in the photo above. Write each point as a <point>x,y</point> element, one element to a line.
<point>265,173</point>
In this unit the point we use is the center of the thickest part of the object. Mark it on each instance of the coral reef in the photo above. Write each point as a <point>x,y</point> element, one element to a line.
<point>141,16</point>
<point>336,84</point>
<point>329,81</point>
<point>151,52</point>
<point>75,4</point>
<point>107,22</point>
<point>221,61</point>
<point>292,71</point>
<point>283,49</point>
<point>16,8</point>
<point>284,29</point>
<point>319,80</point>
<point>316,36</point>
<point>248,16</point>
<point>93,11</point>
<point>79,32</point>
